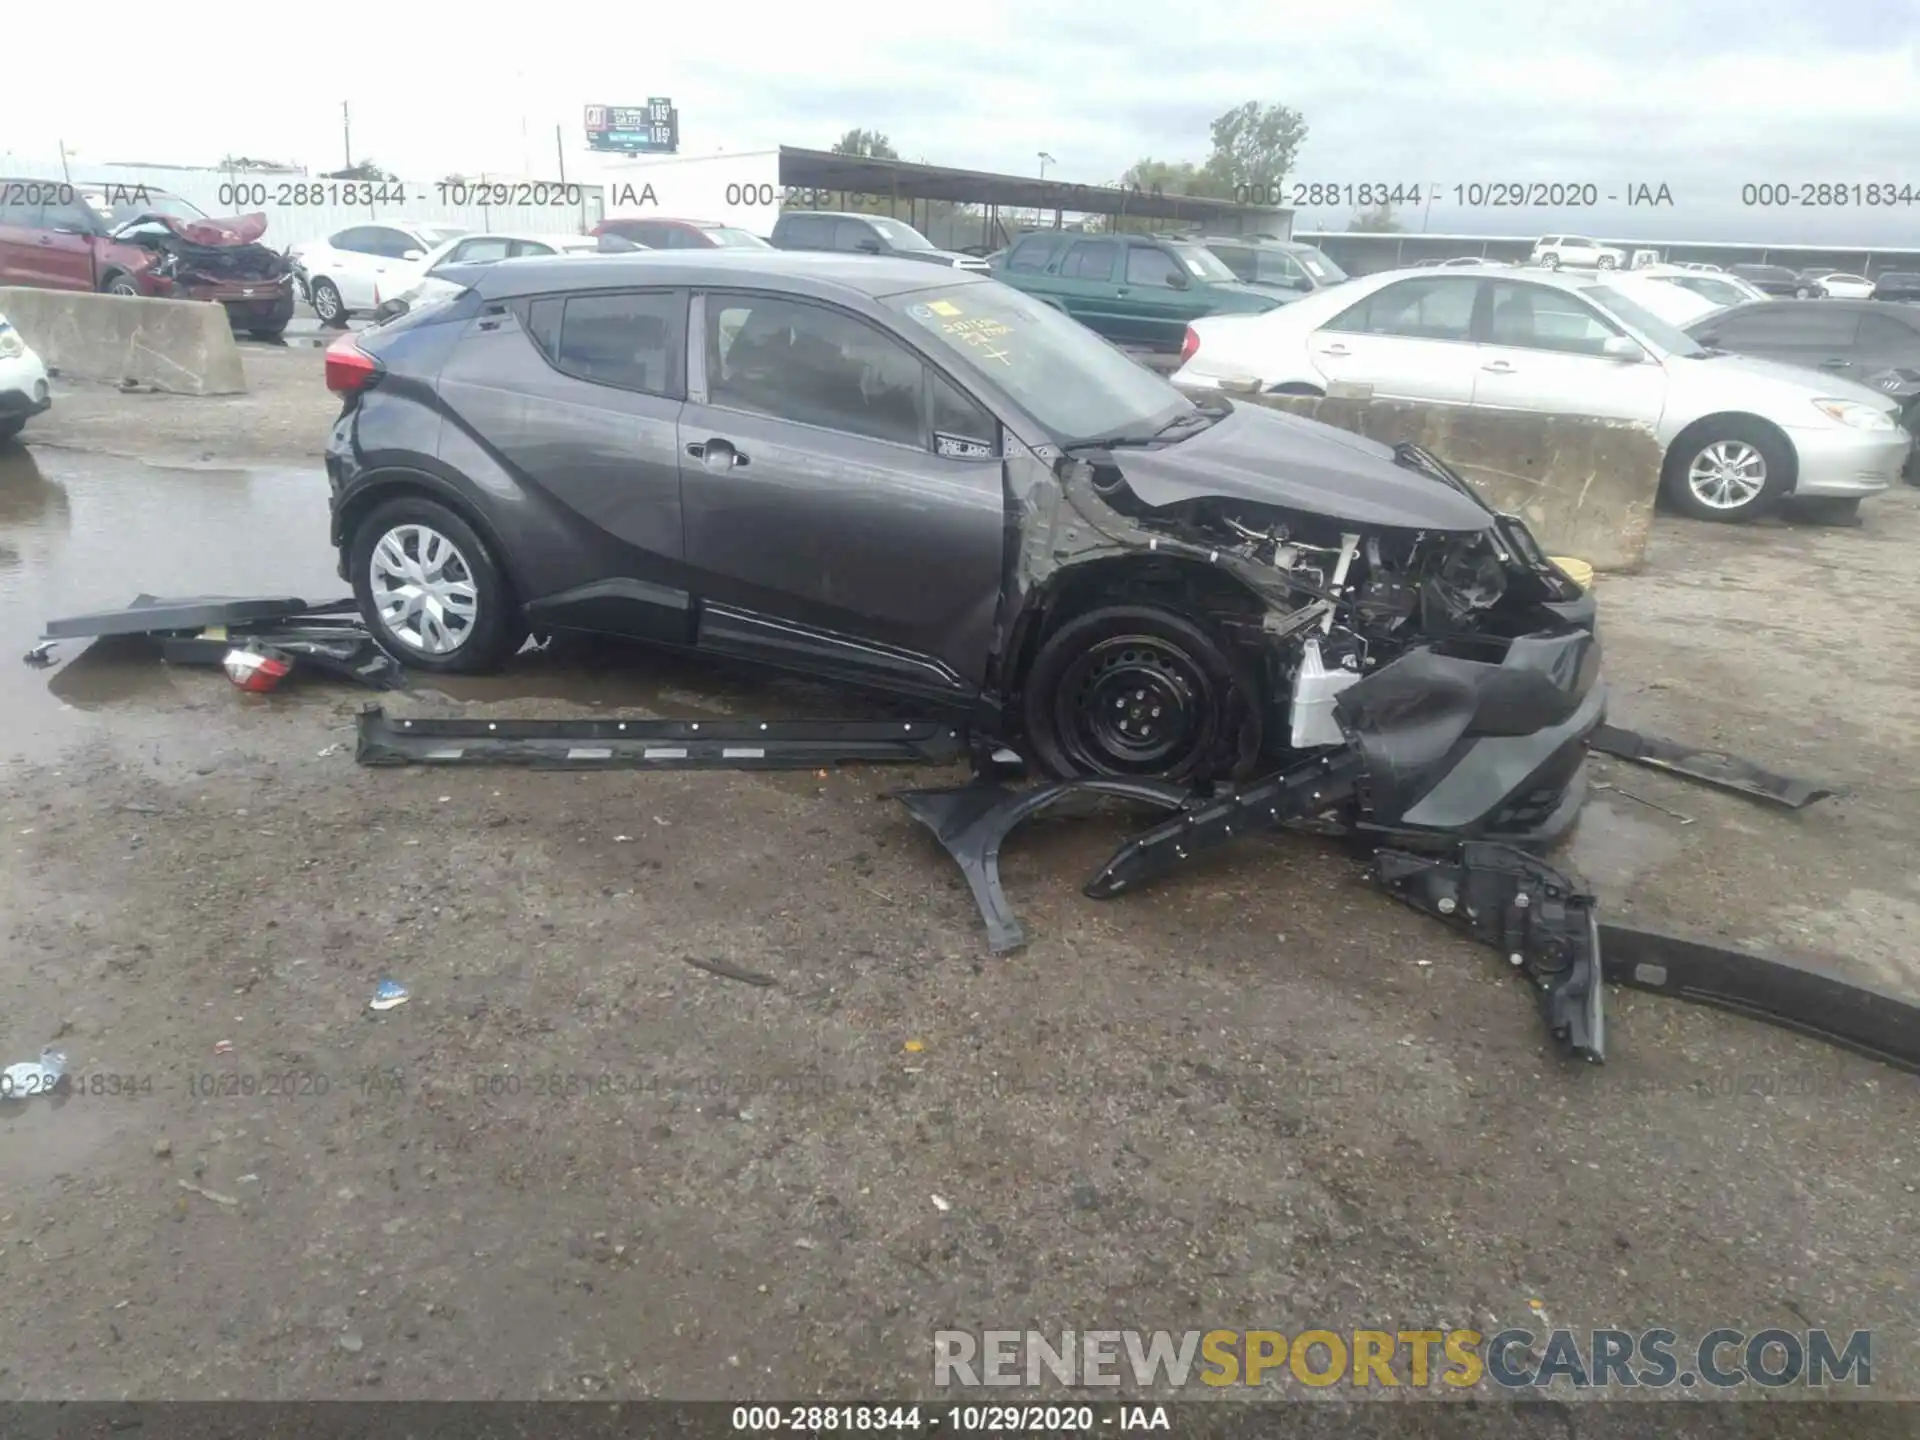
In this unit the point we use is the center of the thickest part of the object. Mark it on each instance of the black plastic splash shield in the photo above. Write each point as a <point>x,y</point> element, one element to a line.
<point>154,615</point>
<point>1803,998</point>
<point>971,822</point>
<point>1711,767</point>
<point>654,744</point>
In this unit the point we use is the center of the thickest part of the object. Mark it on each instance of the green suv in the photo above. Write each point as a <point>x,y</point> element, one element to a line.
<point>1133,289</point>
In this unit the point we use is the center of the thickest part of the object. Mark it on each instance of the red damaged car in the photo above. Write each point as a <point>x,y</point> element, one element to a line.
<point>124,239</point>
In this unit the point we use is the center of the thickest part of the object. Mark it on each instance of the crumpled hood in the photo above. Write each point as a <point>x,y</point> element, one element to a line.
<point>1272,457</point>
<point>215,234</point>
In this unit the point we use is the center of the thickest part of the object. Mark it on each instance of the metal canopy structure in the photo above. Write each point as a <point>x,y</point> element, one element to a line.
<point>827,171</point>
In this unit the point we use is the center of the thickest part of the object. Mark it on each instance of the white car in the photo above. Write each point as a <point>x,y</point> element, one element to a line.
<point>1738,433</point>
<point>1840,285</point>
<point>1718,289</point>
<point>1555,251</point>
<point>1702,266</point>
<point>24,392</point>
<point>483,250</point>
<point>351,271</point>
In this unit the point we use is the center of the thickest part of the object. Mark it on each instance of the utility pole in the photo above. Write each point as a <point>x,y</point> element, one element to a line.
<point>560,150</point>
<point>346,133</point>
<point>65,173</point>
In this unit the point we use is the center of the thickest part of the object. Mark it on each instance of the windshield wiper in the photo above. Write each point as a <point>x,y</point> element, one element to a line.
<point>1203,418</point>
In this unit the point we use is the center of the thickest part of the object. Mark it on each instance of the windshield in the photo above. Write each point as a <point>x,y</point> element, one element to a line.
<point>729,238</point>
<point>1202,262</point>
<point>439,234</point>
<point>151,202</point>
<point>1318,265</point>
<point>1069,379</point>
<point>900,236</point>
<point>1669,338</point>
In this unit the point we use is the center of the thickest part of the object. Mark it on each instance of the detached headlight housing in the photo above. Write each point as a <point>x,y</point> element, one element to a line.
<point>1856,415</point>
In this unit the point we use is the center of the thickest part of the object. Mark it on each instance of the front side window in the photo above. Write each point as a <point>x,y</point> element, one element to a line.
<point>1423,309</point>
<point>1148,266</point>
<point>807,230</point>
<point>814,366</point>
<point>626,339</point>
<point>1030,256</point>
<point>1535,317</point>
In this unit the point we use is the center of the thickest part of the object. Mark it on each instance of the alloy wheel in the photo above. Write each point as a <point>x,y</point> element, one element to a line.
<point>123,286</point>
<point>423,589</point>
<point>326,301</point>
<point>1133,704</point>
<point>1727,475</point>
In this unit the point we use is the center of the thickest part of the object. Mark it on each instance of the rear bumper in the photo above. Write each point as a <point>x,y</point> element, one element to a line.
<point>1843,462</point>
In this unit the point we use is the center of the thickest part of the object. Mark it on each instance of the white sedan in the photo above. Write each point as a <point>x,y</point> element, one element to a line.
<point>1578,252</point>
<point>421,284</point>
<point>23,382</point>
<point>351,271</point>
<point>1716,289</point>
<point>1738,433</point>
<point>1840,285</point>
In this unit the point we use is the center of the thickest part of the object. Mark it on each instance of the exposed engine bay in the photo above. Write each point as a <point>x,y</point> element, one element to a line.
<point>216,252</point>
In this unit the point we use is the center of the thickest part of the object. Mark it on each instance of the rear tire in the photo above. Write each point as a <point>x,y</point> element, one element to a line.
<point>1607,262</point>
<point>1727,472</point>
<point>1550,261</point>
<point>431,591</point>
<point>1138,691</point>
<point>325,299</point>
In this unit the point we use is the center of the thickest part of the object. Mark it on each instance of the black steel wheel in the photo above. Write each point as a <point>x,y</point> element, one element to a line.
<point>1138,691</point>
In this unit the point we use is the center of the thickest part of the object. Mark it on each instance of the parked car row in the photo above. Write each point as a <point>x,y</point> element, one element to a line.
<point>1739,432</point>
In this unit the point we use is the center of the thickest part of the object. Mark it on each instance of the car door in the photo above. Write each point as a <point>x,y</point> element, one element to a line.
<point>1886,343</point>
<point>1087,286</point>
<point>19,233</point>
<point>1158,297</point>
<point>581,394</point>
<point>1544,351</point>
<point>1411,340</point>
<point>826,527</point>
<point>349,262</point>
<point>64,244</point>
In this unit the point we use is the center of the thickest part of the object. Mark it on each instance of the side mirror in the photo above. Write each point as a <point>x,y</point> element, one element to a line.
<point>1178,280</point>
<point>414,255</point>
<point>1619,347</point>
<point>867,247</point>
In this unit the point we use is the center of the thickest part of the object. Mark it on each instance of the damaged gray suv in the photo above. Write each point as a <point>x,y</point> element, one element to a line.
<point>936,487</point>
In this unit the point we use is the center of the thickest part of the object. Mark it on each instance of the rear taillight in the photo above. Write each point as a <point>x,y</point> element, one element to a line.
<point>349,368</point>
<point>1190,346</point>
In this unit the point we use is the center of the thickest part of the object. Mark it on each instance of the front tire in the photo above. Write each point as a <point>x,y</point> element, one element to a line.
<point>1140,692</point>
<point>11,426</point>
<point>123,285</point>
<point>1729,471</point>
<point>1550,261</point>
<point>431,591</point>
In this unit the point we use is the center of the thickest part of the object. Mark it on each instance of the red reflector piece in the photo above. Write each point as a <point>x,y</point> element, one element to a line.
<point>257,670</point>
<point>349,368</point>
<point>1190,346</point>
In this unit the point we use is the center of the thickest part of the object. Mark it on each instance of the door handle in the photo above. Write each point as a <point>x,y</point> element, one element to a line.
<point>46,239</point>
<point>716,454</point>
<point>1336,350</point>
<point>1498,367</point>
<point>1835,363</point>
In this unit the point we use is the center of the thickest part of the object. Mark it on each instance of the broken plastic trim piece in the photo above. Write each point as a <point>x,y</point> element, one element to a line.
<point>1712,767</point>
<point>972,821</point>
<point>1530,912</point>
<point>653,744</point>
<point>1803,998</point>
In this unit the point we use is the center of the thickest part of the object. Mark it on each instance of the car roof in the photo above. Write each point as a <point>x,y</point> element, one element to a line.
<point>818,274</point>
<point>1812,307</point>
<point>1249,242</point>
<point>671,220</point>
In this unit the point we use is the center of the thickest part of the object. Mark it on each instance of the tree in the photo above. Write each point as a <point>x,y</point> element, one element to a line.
<point>247,162</point>
<point>1377,221</point>
<point>869,144</point>
<point>365,170</point>
<point>1169,177</point>
<point>1253,148</point>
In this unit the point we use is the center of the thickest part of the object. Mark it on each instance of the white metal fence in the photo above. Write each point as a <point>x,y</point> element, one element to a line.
<point>304,207</point>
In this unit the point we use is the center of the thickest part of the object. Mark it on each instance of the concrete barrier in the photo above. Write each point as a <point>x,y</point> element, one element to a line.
<point>1584,486</point>
<point>183,346</point>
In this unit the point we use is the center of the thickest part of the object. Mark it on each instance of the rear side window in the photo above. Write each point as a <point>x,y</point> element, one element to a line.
<point>1423,309</point>
<point>480,248</point>
<point>1090,260</point>
<point>1030,256</point>
<point>806,229</point>
<point>631,340</point>
<point>361,239</point>
<point>961,429</point>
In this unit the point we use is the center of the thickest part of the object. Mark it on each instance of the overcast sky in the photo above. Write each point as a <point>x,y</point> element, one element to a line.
<point>1702,96</point>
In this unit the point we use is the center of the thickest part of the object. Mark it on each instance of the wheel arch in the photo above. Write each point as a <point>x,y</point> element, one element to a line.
<point>1691,433</point>
<point>397,483</point>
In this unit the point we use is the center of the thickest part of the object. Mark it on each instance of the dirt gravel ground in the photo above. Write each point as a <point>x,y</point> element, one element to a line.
<point>577,1164</point>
